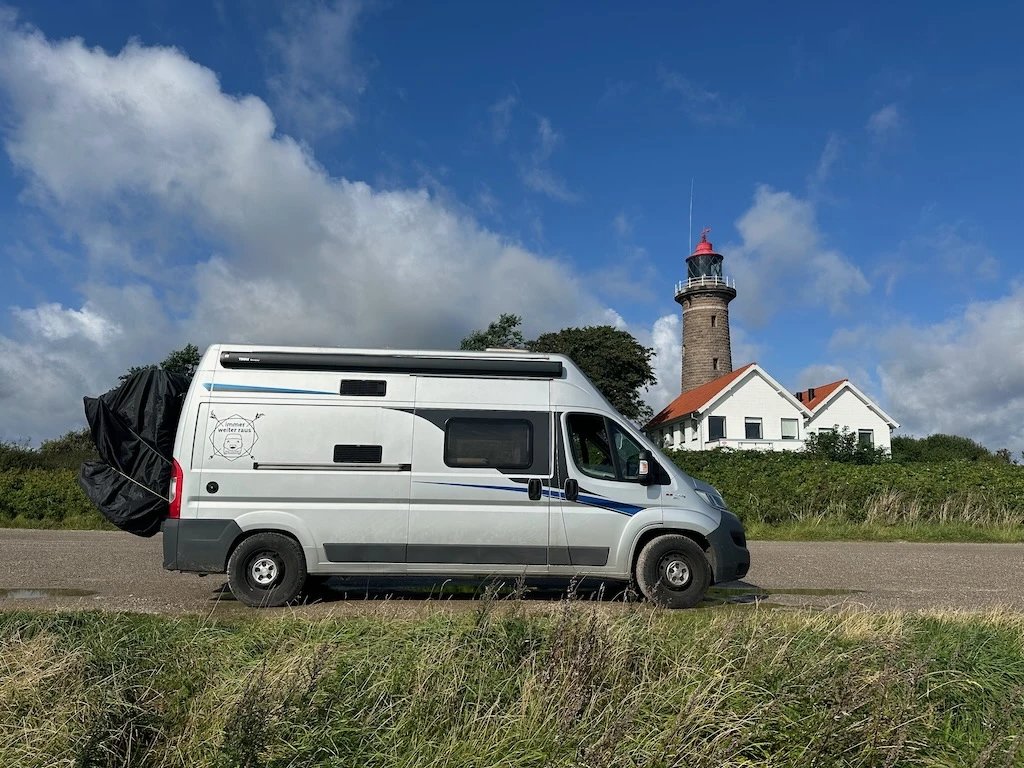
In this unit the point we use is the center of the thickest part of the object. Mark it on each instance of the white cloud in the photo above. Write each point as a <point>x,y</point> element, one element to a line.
<point>534,171</point>
<point>821,373</point>
<point>744,349</point>
<point>616,90</point>
<point>829,156</point>
<point>623,224</point>
<point>885,123</point>
<point>950,248</point>
<point>486,200</point>
<point>315,81</point>
<point>501,117</point>
<point>700,105</point>
<point>782,254</point>
<point>631,277</point>
<point>666,339</point>
<point>288,253</point>
<point>52,322</point>
<point>964,376</point>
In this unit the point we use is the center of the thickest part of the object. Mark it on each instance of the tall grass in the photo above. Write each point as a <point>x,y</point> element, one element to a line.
<point>575,686</point>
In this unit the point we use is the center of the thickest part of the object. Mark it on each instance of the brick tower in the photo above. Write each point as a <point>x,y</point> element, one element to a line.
<point>705,297</point>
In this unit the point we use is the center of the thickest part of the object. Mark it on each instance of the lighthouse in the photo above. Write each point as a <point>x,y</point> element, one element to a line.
<point>704,296</point>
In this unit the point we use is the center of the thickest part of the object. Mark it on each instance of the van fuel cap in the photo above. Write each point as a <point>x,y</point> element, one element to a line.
<point>212,487</point>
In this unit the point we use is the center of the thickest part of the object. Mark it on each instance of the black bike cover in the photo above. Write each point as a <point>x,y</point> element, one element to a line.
<point>133,427</point>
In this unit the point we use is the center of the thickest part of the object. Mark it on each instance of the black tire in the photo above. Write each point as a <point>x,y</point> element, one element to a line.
<point>673,572</point>
<point>267,570</point>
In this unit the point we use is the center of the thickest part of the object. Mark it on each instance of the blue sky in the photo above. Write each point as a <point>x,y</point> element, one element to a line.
<point>861,172</point>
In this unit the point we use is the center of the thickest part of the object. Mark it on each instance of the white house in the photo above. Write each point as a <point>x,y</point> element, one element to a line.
<point>840,404</point>
<point>748,409</point>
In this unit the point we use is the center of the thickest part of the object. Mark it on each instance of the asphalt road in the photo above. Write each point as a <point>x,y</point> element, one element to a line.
<point>118,571</point>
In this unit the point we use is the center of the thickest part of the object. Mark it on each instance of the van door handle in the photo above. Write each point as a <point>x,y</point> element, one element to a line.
<point>534,488</point>
<point>572,490</point>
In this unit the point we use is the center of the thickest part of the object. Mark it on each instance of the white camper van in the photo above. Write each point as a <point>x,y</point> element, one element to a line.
<point>302,463</point>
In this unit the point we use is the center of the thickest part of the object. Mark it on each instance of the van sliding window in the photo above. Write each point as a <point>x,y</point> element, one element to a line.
<point>488,443</point>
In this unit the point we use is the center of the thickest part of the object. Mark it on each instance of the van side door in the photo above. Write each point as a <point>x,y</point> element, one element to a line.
<point>482,462</point>
<point>600,491</point>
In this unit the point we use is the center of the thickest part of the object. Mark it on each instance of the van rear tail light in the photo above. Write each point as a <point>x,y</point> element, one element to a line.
<point>175,491</point>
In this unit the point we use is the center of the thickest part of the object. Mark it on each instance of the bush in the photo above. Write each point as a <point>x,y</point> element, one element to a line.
<point>939,447</point>
<point>46,498</point>
<point>69,452</point>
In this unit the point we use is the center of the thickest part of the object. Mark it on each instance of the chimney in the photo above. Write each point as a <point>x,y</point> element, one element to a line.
<point>810,393</point>
<point>800,396</point>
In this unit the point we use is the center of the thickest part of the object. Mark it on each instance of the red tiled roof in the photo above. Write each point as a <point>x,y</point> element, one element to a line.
<point>695,398</point>
<point>820,393</point>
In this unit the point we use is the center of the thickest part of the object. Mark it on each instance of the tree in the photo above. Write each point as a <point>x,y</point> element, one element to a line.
<point>503,333</point>
<point>616,363</point>
<point>1004,456</point>
<point>183,361</point>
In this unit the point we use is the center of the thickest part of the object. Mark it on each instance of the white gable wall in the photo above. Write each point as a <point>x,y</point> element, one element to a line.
<point>754,397</point>
<point>848,410</point>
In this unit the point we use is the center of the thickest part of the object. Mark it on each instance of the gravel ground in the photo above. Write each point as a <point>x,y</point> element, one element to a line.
<point>120,572</point>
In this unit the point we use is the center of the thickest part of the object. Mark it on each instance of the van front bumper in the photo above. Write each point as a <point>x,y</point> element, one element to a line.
<point>199,546</point>
<point>729,556</point>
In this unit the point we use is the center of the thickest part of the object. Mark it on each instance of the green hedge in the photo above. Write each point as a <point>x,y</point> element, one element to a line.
<point>783,487</point>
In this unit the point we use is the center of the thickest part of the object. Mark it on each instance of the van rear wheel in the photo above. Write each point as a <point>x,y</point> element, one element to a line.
<point>673,572</point>
<point>267,570</point>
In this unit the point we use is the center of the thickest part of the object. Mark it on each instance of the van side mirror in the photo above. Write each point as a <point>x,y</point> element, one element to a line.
<point>645,473</point>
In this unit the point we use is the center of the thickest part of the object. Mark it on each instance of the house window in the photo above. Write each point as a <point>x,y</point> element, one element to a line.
<point>716,428</point>
<point>713,318</point>
<point>488,443</point>
<point>752,425</point>
<point>714,364</point>
<point>789,429</point>
<point>866,437</point>
<point>693,430</point>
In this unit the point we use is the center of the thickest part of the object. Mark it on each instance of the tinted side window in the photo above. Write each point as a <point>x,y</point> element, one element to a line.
<point>488,443</point>
<point>588,442</point>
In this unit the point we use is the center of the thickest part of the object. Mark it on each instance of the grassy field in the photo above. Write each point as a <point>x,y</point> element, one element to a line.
<point>574,686</point>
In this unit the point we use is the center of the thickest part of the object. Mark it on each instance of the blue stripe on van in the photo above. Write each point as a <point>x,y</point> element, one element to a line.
<point>244,388</point>
<point>590,501</point>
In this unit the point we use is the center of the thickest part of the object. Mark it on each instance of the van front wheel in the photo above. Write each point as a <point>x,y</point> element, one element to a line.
<point>673,572</point>
<point>267,570</point>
